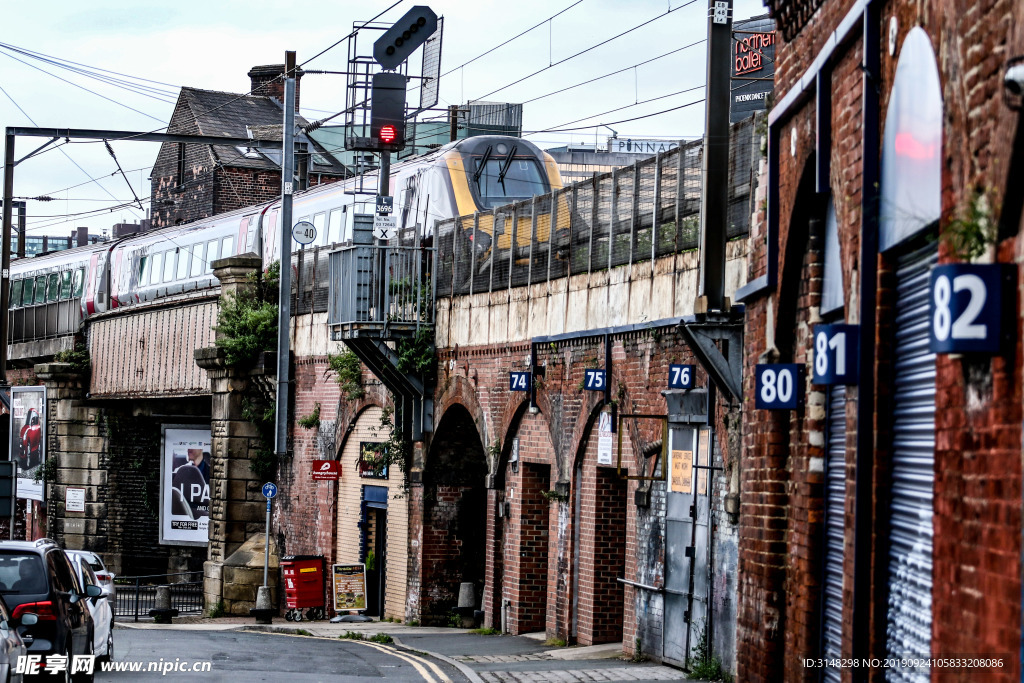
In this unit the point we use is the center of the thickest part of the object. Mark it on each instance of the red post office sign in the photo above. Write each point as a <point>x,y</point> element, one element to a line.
<point>326,470</point>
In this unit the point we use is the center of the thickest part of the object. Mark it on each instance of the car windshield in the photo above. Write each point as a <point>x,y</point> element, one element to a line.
<point>21,573</point>
<point>92,560</point>
<point>522,180</point>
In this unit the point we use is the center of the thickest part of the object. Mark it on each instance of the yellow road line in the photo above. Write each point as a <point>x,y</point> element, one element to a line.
<point>416,662</point>
<point>434,667</point>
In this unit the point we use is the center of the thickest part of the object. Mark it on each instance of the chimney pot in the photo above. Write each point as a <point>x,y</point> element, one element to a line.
<point>267,81</point>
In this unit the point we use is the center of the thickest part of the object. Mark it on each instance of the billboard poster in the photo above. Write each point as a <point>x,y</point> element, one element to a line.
<point>349,587</point>
<point>28,438</point>
<point>604,439</point>
<point>185,485</point>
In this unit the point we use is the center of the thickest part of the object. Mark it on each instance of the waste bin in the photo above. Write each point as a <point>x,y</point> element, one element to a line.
<point>304,577</point>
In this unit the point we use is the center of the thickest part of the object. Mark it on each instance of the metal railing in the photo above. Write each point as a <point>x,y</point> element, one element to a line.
<point>134,596</point>
<point>45,321</point>
<point>363,303</point>
<point>629,215</point>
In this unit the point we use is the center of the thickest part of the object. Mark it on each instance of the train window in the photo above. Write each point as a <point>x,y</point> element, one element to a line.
<point>27,292</point>
<point>321,231</point>
<point>78,284</point>
<point>168,265</point>
<point>522,180</point>
<point>335,225</point>
<point>212,250</point>
<point>228,248</point>
<point>144,265</point>
<point>183,258</point>
<point>197,261</point>
<point>157,261</point>
<point>40,290</point>
<point>65,285</point>
<point>52,286</point>
<point>16,293</point>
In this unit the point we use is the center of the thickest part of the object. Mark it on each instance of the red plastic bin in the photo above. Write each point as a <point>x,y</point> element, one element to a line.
<point>303,581</point>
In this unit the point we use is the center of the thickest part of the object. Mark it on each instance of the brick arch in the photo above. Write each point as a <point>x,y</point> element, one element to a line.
<point>592,406</point>
<point>348,413</point>
<point>460,391</point>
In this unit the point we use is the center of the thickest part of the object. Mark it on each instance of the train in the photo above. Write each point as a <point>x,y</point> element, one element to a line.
<point>463,177</point>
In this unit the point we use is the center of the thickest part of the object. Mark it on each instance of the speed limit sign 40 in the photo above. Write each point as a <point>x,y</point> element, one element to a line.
<point>304,232</point>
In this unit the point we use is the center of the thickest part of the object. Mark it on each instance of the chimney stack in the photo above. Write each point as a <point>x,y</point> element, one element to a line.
<point>81,236</point>
<point>268,81</point>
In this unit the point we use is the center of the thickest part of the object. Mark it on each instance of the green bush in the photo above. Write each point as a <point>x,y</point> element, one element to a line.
<point>349,372</point>
<point>77,357</point>
<point>247,327</point>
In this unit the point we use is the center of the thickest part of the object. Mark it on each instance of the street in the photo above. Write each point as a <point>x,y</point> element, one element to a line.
<point>236,656</point>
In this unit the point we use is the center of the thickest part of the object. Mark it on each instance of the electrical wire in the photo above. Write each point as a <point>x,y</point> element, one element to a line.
<point>354,31</point>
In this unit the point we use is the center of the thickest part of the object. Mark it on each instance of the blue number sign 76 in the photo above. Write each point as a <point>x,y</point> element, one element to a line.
<point>680,376</point>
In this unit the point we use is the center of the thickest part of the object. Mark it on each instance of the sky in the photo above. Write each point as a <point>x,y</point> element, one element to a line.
<point>213,44</point>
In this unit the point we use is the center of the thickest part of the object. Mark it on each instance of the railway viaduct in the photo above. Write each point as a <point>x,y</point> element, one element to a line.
<point>557,525</point>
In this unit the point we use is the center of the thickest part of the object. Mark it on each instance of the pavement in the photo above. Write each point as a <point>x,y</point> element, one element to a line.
<point>480,658</point>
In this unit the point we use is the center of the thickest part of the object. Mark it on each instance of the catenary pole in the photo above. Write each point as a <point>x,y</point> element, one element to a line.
<point>285,282</point>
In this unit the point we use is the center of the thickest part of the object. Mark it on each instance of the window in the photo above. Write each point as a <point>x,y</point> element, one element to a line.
<point>78,283</point>
<point>27,293</point>
<point>183,258</point>
<point>228,248</point>
<point>65,285</point>
<point>212,251</point>
<point>181,163</point>
<point>62,578</point>
<point>197,261</point>
<point>334,226</point>
<point>318,223</point>
<point>11,573</point>
<point>168,265</point>
<point>156,269</point>
<point>40,290</point>
<point>522,180</point>
<point>144,264</point>
<point>15,294</point>
<point>52,286</point>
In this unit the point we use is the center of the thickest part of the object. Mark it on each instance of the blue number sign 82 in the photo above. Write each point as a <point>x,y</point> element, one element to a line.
<point>595,380</point>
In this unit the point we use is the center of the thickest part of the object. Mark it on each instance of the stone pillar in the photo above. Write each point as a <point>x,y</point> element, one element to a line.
<point>236,504</point>
<point>73,438</point>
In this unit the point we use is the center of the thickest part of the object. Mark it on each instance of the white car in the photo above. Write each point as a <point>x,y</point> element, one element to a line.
<point>11,645</point>
<point>104,579</point>
<point>99,608</point>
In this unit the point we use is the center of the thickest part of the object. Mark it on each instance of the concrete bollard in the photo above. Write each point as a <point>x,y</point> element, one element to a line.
<point>264,611</point>
<point>163,612</point>
<point>467,604</point>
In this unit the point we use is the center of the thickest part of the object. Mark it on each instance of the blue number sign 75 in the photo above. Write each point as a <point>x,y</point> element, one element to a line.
<point>595,380</point>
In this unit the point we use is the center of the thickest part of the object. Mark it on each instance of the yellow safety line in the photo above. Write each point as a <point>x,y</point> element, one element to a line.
<point>436,669</point>
<point>394,653</point>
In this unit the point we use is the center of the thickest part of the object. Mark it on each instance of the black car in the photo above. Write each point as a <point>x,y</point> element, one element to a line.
<point>36,577</point>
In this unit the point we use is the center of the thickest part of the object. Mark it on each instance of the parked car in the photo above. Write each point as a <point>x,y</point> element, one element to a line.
<point>104,578</point>
<point>36,577</point>
<point>12,645</point>
<point>100,609</point>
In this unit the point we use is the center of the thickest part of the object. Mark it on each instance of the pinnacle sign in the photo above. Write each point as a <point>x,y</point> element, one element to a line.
<point>402,39</point>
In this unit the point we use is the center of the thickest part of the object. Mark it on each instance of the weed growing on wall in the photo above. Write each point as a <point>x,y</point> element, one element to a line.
<point>348,371</point>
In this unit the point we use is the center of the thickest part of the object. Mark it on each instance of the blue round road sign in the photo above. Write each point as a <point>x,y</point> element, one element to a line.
<point>269,490</point>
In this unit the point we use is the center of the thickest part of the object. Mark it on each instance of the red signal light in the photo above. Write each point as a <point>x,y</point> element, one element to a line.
<point>387,134</point>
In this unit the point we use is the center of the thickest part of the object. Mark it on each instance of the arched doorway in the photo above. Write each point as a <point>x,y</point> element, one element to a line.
<point>455,515</point>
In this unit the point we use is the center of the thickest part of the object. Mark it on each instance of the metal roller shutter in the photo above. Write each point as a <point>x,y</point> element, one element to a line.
<point>835,523</point>
<point>909,619</point>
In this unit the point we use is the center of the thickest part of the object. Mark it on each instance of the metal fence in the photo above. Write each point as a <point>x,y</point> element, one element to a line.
<point>43,321</point>
<point>626,216</point>
<point>135,595</point>
<point>361,300</point>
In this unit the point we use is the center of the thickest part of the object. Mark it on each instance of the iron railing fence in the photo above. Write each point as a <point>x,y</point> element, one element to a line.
<point>363,302</point>
<point>625,216</point>
<point>45,321</point>
<point>134,596</point>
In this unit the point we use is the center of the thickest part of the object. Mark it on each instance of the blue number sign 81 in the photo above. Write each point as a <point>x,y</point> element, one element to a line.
<point>680,376</point>
<point>518,381</point>
<point>595,380</point>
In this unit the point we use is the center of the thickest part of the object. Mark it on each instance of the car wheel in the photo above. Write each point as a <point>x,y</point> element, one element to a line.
<point>110,643</point>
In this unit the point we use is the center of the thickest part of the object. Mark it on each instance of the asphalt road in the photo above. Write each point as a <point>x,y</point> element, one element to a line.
<point>245,657</point>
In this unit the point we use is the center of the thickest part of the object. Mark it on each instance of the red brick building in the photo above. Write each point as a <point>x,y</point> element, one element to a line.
<point>190,181</point>
<point>882,517</point>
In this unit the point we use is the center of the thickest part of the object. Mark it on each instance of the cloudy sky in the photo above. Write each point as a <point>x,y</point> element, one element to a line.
<point>213,44</point>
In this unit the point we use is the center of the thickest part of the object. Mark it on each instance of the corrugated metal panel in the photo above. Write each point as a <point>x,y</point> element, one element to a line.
<point>835,523</point>
<point>151,352</point>
<point>909,620</point>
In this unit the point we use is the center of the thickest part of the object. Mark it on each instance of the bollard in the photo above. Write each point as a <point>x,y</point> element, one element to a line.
<point>467,604</point>
<point>163,612</point>
<point>263,612</point>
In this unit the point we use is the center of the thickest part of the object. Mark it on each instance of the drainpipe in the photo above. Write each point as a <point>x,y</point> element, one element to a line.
<point>863,523</point>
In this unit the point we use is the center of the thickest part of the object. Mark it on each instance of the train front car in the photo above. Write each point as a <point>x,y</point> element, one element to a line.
<point>486,173</point>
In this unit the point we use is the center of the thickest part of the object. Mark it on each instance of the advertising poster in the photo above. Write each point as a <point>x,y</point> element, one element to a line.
<point>604,439</point>
<point>28,438</point>
<point>185,485</point>
<point>349,584</point>
<point>682,472</point>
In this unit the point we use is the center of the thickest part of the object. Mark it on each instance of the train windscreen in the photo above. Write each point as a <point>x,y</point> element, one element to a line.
<point>497,183</point>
